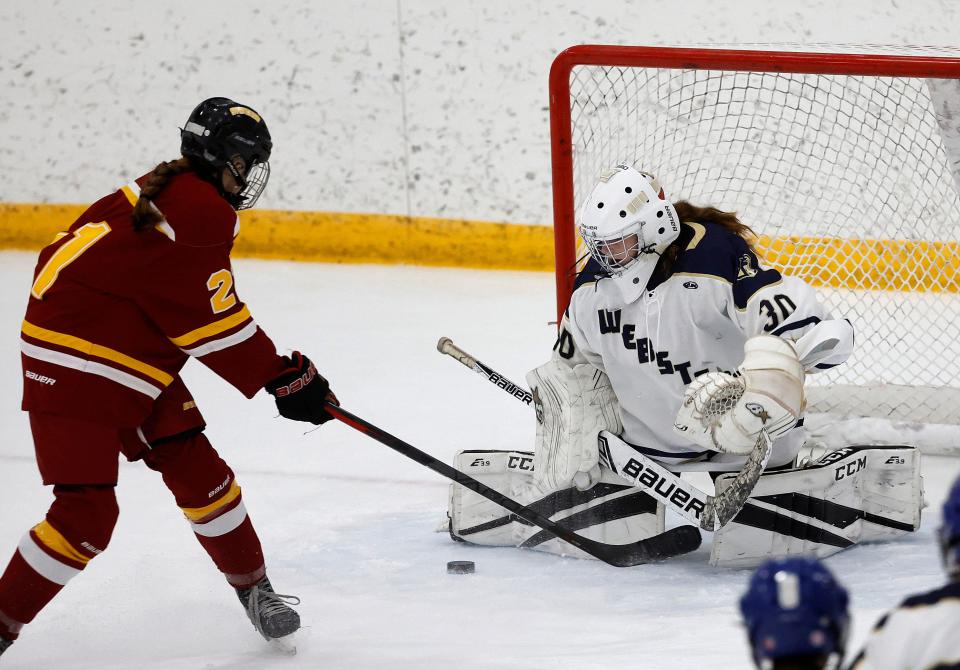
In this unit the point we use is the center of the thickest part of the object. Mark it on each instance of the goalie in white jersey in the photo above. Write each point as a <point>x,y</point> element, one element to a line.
<point>672,295</point>
<point>921,633</point>
<point>679,347</point>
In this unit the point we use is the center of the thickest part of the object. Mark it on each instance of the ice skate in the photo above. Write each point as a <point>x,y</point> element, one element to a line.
<point>270,612</point>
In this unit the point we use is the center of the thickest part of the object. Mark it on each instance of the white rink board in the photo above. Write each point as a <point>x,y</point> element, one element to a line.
<point>432,108</point>
<point>348,525</point>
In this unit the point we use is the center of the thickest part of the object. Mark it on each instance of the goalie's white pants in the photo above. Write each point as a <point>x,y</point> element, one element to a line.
<point>851,495</point>
<point>611,512</point>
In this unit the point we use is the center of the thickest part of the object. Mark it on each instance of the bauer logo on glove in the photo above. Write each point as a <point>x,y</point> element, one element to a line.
<point>296,384</point>
<point>301,393</point>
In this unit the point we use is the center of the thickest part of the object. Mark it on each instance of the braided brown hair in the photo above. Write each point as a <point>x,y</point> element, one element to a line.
<point>144,215</point>
<point>689,212</point>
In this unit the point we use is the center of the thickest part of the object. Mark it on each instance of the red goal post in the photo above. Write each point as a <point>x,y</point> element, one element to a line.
<point>775,129</point>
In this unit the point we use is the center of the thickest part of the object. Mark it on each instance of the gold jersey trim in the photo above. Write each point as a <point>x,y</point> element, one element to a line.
<point>212,329</point>
<point>89,348</point>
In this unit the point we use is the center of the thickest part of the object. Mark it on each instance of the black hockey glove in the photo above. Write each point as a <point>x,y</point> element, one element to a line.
<point>301,392</point>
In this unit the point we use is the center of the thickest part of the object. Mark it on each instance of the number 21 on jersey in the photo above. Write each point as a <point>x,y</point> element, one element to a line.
<point>83,238</point>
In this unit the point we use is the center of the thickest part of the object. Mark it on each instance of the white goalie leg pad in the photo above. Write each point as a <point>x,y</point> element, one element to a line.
<point>572,406</point>
<point>851,495</point>
<point>481,521</point>
<point>726,413</point>
<point>610,512</point>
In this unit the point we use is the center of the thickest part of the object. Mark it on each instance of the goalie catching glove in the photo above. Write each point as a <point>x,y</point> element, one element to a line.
<point>726,413</point>
<point>301,392</point>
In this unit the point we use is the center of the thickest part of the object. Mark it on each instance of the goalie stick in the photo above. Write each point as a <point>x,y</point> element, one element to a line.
<point>673,542</point>
<point>446,346</point>
<point>707,511</point>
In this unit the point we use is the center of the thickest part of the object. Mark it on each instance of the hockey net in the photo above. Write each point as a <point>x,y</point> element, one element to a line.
<point>841,162</point>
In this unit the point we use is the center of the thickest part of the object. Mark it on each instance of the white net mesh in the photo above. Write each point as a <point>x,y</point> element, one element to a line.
<point>847,181</point>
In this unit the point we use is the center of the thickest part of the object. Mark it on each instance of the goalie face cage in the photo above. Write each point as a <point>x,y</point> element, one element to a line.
<point>840,162</point>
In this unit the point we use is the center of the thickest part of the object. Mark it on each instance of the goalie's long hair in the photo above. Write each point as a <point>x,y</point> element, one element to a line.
<point>690,212</point>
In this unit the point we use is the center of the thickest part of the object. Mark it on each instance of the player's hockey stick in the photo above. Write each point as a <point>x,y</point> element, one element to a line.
<point>707,511</point>
<point>673,542</point>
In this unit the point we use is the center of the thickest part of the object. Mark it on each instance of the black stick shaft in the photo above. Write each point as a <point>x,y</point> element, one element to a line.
<point>452,473</point>
<point>617,555</point>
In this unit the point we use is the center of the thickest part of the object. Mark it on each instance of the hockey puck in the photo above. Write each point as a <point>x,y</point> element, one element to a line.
<point>460,567</point>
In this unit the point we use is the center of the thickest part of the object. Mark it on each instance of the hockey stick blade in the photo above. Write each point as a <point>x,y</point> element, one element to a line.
<point>676,541</point>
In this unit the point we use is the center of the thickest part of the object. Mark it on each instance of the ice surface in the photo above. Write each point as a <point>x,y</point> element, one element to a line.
<point>348,525</point>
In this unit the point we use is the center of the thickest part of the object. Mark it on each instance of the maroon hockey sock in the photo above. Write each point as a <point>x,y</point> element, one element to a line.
<point>206,491</point>
<point>237,554</point>
<point>23,593</point>
<point>77,528</point>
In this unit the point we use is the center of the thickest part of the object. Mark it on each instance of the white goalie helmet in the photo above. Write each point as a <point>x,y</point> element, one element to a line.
<point>626,223</point>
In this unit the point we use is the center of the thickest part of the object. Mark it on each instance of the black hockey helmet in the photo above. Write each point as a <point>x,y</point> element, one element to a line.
<point>217,131</point>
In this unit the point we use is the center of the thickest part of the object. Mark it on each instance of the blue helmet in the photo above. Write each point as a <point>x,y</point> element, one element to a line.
<point>795,607</point>
<point>949,533</point>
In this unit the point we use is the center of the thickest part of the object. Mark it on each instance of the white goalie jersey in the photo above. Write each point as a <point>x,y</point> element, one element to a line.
<point>694,321</point>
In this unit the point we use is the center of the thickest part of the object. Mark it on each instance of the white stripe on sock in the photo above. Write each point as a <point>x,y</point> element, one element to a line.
<point>223,524</point>
<point>45,565</point>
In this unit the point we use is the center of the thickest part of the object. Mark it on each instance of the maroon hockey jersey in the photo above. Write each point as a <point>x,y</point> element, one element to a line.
<point>114,314</point>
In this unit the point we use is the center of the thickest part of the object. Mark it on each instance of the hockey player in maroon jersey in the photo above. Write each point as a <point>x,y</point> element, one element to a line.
<point>141,282</point>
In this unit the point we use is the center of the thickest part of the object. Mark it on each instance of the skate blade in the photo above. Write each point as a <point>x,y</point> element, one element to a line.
<point>284,645</point>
